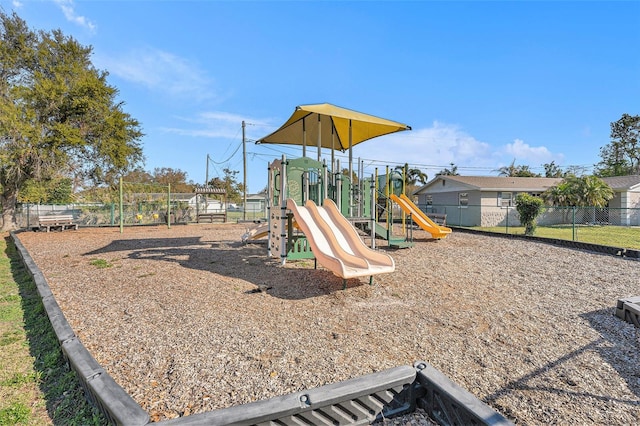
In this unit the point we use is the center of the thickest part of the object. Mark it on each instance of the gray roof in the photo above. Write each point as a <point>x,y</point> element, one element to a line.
<point>621,183</point>
<point>498,183</point>
<point>501,183</point>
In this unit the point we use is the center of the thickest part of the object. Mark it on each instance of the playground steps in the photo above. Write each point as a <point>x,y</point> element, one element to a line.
<point>628,309</point>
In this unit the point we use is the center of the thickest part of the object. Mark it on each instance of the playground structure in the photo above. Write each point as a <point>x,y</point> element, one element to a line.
<point>306,188</point>
<point>326,205</point>
<point>314,213</point>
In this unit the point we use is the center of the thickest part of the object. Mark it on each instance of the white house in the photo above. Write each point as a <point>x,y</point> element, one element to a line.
<point>624,207</point>
<point>484,200</point>
<point>478,200</point>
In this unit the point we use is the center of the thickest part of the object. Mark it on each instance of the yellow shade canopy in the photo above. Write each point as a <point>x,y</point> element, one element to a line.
<point>330,126</point>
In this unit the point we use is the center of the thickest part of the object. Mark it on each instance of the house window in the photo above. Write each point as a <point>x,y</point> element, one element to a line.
<point>463,199</point>
<point>505,199</point>
<point>429,200</point>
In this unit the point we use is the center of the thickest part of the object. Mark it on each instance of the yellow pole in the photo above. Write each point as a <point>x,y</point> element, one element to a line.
<point>388,201</point>
<point>404,177</point>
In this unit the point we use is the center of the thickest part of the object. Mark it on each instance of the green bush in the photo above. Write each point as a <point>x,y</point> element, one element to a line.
<point>529,207</point>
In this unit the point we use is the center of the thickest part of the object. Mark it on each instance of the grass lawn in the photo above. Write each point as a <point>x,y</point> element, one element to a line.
<point>36,386</point>
<point>616,236</point>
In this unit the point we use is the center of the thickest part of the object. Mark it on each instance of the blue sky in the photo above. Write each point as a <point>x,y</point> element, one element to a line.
<point>480,83</point>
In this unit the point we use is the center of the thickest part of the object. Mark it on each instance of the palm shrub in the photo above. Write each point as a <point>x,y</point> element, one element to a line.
<point>529,207</point>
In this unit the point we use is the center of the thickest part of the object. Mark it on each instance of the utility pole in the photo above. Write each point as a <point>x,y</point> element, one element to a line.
<point>206,178</point>
<point>244,171</point>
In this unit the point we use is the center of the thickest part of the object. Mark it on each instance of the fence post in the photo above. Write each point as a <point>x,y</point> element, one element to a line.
<point>573,223</point>
<point>169,206</point>
<point>507,231</point>
<point>121,208</point>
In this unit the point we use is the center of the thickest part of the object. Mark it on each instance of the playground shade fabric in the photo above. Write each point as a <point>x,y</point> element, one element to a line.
<point>331,125</point>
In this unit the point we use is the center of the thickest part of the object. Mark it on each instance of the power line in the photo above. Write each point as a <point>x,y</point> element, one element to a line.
<point>230,157</point>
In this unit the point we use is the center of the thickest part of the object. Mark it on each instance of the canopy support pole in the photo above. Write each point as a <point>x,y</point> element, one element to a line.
<point>338,176</point>
<point>319,135</point>
<point>350,170</point>
<point>333,147</point>
<point>304,138</point>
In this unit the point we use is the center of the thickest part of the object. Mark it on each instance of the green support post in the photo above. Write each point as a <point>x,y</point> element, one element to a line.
<point>169,207</point>
<point>121,209</point>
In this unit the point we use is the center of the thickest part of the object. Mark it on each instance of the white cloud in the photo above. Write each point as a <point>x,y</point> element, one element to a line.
<point>217,124</point>
<point>68,9</point>
<point>17,4</point>
<point>160,71</point>
<point>430,149</point>
<point>533,156</point>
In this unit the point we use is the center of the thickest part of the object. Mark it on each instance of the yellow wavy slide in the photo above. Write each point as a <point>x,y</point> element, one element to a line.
<point>335,242</point>
<point>420,218</point>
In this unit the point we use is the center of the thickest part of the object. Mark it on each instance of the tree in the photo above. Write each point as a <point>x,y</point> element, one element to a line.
<point>411,177</point>
<point>60,191</point>
<point>562,194</point>
<point>354,177</point>
<point>583,191</point>
<point>453,171</point>
<point>58,114</point>
<point>138,175</point>
<point>593,191</point>
<point>176,177</point>
<point>621,156</point>
<point>524,171</point>
<point>52,191</point>
<point>516,171</point>
<point>551,170</point>
<point>529,207</point>
<point>230,184</point>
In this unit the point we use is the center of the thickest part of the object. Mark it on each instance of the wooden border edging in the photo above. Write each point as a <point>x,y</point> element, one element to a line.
<point>357,401</point>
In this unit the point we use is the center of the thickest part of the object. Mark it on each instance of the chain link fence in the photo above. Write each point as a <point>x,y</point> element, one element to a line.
<point>133,214</point>
<point>607,226</point>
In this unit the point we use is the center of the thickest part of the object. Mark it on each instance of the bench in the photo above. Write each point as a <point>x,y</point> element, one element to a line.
<point>211,216</point>
<point>62,221</point>
<point>439,218</point>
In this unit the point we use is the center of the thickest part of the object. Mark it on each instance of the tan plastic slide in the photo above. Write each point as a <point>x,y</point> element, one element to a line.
<point>420,218</point>
<point>256,233</point>
<point>335,242</point>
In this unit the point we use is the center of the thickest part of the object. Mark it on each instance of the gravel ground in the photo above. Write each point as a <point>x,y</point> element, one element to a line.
<point>177,319</point>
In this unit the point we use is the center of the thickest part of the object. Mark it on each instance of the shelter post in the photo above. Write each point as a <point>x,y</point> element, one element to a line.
<point>338,176</point>
<point>304,138</point>
<point>283,210</point>
<point>319,135</point>
<point>350,169</point>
